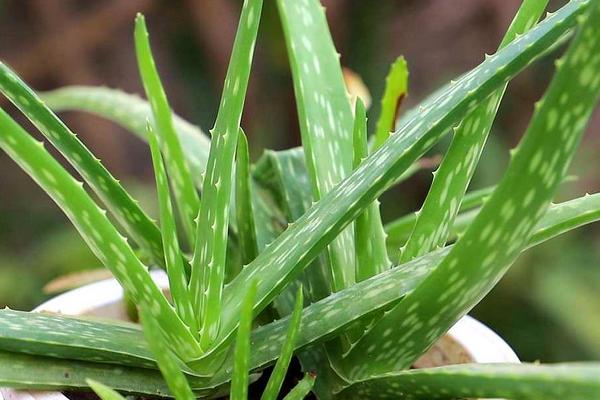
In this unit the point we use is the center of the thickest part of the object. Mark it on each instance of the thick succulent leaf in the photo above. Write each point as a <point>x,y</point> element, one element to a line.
<point>452,178</point>
<point>22,371</point>
<point>103,391</point>
<point>302,389</point>
<point>181,179</point>
<point>278,374</point>
<point>78,339</point>
<point>369,236</point>
<point>173,257</point>
<point>400,229</point>
<point>243,202</point>
<point>169,365</point>
<point>72,338</point>
<point>396,86</point>
<point>208,264</point>
<point>508,381</point>
<point>125,209</point>
<point>302,241</point>
<point>101,236</point>
<point>131,112</point>
<point>241,364</point>
<point>324,114</point>
<point>506,222</point>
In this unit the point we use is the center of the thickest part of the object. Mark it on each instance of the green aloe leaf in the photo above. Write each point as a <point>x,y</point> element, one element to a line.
<point>369,236</point>
<point>131,112</point>
<point>22,371</point>
<point>100,235</point>
<point>506,222</point>
<point>126,210</point>
<point>241,365</point>
<point>396,87</point>
<point>208,264</point>
<point>103,391</point>
<point>324,114</point>
<point>243,202</point>
<point>302,241</point>
<point>452,178</point>
<point>400,229</point>
<point>572,381</point>
<point>278,374</point>
<point>169,365</point>
<point>173,258</point>
<point>303,388</point>
<point>73,338</point>
<point>181,179</point>
<point>78,339</point>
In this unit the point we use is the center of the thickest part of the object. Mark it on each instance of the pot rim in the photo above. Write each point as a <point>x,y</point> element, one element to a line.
<point>480,343</point>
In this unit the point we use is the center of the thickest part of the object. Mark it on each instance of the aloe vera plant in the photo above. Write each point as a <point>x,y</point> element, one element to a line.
<point>299,235</point>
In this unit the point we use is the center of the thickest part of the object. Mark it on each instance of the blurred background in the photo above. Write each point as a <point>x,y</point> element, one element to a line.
<point>547,307</point>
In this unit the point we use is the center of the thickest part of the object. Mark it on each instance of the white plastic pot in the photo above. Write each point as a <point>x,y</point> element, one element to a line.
<point>467,341</point>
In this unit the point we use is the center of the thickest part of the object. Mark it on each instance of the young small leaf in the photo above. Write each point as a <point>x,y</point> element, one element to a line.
<point>173,256</point>
<point>183,185</point>
<point>169,365</point>
<point>396,86</point>
<point>276,379</point>
<point>303,388</point>
<point>241,365</point>
<point>243,202</point>
<point>369,236</point>
<point>103,391</point>
<point>126,210</point>
<point>208,264</point>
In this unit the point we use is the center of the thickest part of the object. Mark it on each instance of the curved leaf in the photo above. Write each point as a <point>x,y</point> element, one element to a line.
<point>131,112</point>
<point>507,381</point>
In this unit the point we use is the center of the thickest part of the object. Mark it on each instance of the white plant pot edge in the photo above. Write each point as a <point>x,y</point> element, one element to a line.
<point>481,343</point>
